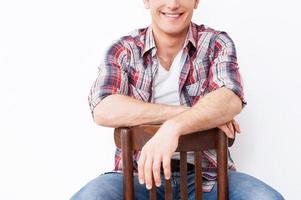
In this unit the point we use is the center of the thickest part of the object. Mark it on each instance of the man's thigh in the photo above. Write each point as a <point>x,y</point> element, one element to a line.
<point>109,186</point>
<point>244,187</point>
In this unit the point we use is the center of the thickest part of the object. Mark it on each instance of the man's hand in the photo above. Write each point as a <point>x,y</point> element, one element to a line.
<point>159,149</point>
<point>230,128</point>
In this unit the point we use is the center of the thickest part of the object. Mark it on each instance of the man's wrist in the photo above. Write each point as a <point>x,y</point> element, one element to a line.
<point>175,126</point>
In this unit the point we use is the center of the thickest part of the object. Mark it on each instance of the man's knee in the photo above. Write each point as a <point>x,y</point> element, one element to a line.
<point>263,194</point>
<point>243,186</point>
<point>107,186</point>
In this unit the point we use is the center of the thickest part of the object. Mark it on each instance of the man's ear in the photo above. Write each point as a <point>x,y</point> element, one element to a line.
<point>146,4</point>
<point>196,4</point>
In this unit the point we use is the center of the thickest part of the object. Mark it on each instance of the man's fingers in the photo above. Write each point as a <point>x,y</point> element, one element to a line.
<point>148,172</point>
<point>231,128</point>
<point>141,163</point>
<point>226,130</point>
<point>166,167</point>
<point>236,126</point>
<point>156,171</point>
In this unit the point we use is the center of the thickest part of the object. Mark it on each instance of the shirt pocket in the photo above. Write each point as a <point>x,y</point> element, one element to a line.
<point>140,81</point>
<point>140,78</point>
<point>139,94</point>
<point>198,88</point>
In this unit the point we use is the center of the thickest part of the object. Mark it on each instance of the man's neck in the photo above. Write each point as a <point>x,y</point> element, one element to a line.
<point>168,46</point>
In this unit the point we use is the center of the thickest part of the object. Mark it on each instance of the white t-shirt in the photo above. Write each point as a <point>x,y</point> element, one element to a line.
<point>166,85</point>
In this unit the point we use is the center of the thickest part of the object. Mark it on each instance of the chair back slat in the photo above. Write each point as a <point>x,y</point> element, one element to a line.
<point>197,141</point>
<point>183,175</point>
<point>153,192</point>
<point>168,190</point>
<point>222,166</point>
<point>198,174</point>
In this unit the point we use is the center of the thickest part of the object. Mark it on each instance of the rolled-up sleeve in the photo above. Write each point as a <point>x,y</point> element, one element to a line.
<point>224,70</point>
<point>112,76</point>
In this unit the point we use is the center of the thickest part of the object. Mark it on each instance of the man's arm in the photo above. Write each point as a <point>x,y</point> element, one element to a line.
<point>120,110</point>
<point>215,109</point>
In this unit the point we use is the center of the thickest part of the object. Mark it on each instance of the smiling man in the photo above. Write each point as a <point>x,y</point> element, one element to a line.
<point>181,75</point>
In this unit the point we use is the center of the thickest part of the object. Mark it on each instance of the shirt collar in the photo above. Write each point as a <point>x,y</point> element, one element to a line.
<point>150,42</point>
<point>191,35</point>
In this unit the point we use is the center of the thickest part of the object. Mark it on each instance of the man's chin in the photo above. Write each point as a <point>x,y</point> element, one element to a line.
<point>174,31</point>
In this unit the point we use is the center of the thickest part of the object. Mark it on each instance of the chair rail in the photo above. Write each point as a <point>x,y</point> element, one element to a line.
<point>196,141</point>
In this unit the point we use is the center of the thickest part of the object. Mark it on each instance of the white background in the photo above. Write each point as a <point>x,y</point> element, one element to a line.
<point>49,53</point>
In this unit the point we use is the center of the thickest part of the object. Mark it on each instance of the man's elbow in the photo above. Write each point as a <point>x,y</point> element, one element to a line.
<point>99,119</point>
<point>103,118</point>
<point>236,105</point>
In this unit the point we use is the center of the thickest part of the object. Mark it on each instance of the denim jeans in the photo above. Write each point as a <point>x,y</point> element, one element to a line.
<point>241,187</point>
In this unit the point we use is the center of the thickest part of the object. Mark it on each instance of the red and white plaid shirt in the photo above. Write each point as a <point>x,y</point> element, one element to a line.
<point>130,65</point>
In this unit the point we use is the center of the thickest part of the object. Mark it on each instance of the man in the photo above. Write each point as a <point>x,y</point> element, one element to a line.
<point>183,76</point>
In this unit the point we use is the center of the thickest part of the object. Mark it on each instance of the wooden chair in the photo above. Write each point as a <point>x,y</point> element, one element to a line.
<point>134,138</point>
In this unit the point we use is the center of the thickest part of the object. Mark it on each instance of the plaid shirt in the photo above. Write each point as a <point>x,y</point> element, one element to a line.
<point>130,65</point>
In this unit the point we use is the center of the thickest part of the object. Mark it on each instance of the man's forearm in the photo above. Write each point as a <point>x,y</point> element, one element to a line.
<point>119,110</point>
<point>213,110</point>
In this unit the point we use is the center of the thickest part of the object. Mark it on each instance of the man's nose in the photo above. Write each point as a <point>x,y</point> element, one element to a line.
<point>173,4</point>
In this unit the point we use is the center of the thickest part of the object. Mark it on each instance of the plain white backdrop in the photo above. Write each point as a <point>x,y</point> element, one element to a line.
<point>49,53</point>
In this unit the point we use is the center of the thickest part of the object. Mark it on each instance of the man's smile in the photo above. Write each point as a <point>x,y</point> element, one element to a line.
<point>171,15</point>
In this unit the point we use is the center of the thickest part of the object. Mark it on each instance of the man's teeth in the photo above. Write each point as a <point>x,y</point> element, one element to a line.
<point>172,15</point>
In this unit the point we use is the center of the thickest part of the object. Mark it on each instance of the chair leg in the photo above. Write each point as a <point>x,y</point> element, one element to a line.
<point>222,166</point>
<point>127,161</point>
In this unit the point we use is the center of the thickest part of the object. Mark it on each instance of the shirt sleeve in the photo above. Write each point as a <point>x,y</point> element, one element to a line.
<point>224,70</point>
<point>112,77</point>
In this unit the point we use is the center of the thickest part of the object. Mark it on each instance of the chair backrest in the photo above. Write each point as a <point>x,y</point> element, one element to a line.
<point>134,138</point>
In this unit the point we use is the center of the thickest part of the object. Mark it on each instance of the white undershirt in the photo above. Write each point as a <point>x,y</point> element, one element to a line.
<point>166,85</point>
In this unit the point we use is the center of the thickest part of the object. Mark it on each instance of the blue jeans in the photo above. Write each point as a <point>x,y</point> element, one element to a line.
<point>241,187</point>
